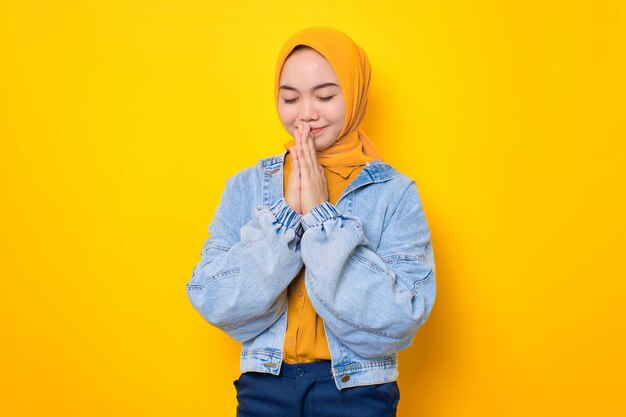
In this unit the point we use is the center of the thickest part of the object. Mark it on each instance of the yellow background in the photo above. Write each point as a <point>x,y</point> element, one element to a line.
<point>121,120</point>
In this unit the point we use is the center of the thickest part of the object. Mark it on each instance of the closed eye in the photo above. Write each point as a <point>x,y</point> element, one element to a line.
<point>290,101</point>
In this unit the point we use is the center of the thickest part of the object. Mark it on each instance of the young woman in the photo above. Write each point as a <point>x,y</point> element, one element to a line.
<point>319,258</point>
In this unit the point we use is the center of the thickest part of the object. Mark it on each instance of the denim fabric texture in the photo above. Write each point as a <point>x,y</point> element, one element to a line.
<point>308,390</point>
<point>370,271</point>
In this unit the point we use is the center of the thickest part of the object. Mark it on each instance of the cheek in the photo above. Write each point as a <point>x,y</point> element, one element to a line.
<point>338,113</point>
<point>287,114</point>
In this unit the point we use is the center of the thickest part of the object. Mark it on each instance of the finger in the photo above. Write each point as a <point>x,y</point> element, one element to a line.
<point>311,143</point>
<point>306,144</point>
<point>305,164</point>
<point>296,134</point>
<point>302,164</point>
<point>303,167</point>
<point>296,164</point>
<point>299,145</point>
<point>312,150</point>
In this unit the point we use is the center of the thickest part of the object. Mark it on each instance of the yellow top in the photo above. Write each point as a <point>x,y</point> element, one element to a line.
<point>305,340</point>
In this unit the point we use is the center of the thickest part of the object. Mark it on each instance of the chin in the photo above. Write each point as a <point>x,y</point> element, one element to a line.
<point>321,143</point>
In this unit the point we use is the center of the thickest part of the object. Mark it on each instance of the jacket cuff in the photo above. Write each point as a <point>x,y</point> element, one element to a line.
<point>319,214</point>
<point>285,214</point>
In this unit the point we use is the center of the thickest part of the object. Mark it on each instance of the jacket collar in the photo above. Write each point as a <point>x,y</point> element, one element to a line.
<point>271,170</point>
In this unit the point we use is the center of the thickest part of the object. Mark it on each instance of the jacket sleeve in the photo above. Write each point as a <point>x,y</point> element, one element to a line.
<point>374,302</point>
<point>239,284</point>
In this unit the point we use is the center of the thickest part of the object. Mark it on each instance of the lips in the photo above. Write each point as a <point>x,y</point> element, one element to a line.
<point>317,129</point>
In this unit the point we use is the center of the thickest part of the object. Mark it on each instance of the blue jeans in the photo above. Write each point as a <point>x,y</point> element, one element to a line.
<point>308,390</point>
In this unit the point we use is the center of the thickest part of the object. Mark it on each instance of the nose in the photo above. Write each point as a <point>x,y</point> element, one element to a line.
<point>308,112</point>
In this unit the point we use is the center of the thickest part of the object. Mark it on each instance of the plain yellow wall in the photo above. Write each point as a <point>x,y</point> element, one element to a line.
<point>121,120</point>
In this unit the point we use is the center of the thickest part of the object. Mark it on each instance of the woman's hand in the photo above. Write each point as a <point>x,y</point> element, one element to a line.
<point>313,186</point>
<point>292,196</point>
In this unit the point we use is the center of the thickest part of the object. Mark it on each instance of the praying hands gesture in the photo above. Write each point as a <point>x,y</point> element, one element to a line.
<point>306,186</point>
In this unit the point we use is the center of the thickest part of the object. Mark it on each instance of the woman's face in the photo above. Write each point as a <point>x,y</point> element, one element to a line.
<point>309,92</point>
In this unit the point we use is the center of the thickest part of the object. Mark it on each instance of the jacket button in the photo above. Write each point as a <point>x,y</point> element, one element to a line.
<point>345,378</point>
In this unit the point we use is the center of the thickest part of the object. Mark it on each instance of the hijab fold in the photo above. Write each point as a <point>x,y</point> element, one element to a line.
<point>350,63</point>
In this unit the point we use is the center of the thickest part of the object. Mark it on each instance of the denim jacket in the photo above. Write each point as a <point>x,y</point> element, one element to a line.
<point>370,270</point>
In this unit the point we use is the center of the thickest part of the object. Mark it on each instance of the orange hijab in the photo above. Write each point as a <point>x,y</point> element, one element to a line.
<point>352,67</point>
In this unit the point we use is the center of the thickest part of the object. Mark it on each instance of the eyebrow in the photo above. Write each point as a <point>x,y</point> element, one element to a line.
<point>317,87</point>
